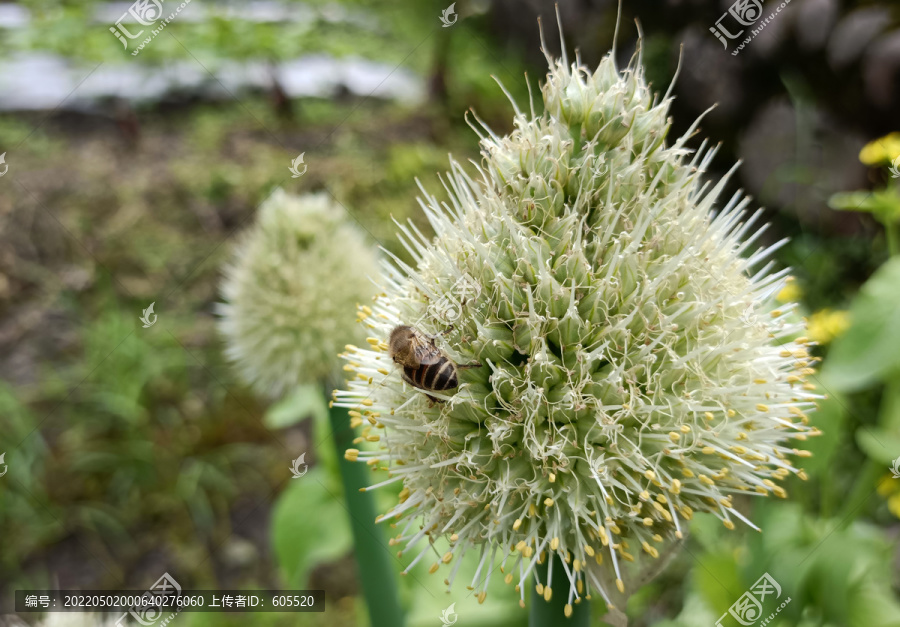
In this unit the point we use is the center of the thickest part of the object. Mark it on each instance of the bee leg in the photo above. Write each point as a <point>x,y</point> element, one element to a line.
<point>437,335</point>
<point>431,400</point>
<point>474,364</point>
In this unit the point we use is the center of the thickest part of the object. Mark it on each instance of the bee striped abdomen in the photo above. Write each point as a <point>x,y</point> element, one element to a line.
<point>438,376</point>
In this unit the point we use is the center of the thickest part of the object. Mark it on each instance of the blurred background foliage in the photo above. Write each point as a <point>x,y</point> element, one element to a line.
<point>132,451</point>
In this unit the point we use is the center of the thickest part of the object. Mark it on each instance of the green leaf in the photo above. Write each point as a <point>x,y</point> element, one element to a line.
<point>303,402</point>
<point>830,419</point>
<point>889,411</point>
<point>871,604</point>
<point>879,444</point>
<point>869,348</point>
<point>309,527</point>
<point>884,204</point>
<point>717,580</point>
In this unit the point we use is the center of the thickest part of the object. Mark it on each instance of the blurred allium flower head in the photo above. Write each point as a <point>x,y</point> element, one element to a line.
<point>290,291</point>
<point>634,371</point>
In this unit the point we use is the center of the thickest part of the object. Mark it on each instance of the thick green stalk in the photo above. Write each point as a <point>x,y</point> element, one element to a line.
<point>373,561</point>
<point>892,230</point>
<point>552,613</point>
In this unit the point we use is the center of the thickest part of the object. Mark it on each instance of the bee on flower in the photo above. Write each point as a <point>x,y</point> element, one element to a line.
<point>622,386</point>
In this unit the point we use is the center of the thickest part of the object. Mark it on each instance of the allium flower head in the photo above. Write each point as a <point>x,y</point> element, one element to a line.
<point>291,289</point>
<point>633,372</point>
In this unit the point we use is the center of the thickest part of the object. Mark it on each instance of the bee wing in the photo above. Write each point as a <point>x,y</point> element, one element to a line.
<point>426,353</point>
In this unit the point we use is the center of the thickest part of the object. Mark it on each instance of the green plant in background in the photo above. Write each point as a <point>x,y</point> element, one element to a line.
<point>866,355</point>
<point>629,376</point>
<point>882,204</point>
<point>289,296</point>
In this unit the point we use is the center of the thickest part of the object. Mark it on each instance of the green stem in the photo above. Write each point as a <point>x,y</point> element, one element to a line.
<point>373,561</point>
<point>892,230</point>
<point>862,489</point>
<point>552,613</point>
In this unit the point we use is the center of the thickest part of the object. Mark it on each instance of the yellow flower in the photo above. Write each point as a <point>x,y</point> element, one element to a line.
<point>882,150</point>
<point>889,488</point>
<point>790,293</point>
<point>886,487</point>
<point>894,505</point>
<point>826,325</point>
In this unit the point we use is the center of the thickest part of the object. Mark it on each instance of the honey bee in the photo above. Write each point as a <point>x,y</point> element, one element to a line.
<point>424,365</point>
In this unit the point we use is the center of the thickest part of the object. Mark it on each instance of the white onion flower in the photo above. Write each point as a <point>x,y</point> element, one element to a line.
<point>290,292</point>
<point>634,369</point>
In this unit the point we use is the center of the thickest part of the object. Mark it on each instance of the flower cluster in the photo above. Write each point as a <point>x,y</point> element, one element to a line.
<point>290,292</point>
<point>635,368</point>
